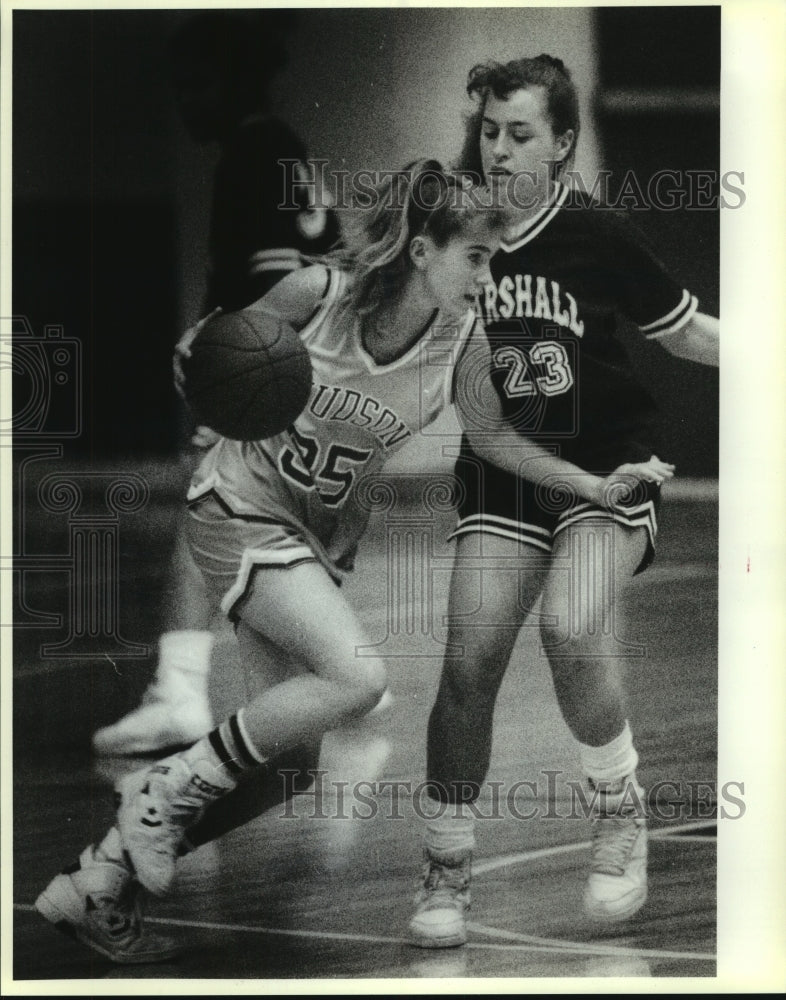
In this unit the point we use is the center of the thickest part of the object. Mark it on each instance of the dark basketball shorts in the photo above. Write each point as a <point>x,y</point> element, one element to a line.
<point>495,502</point>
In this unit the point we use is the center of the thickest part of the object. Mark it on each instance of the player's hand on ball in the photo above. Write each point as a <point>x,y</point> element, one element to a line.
<point>247,374</point>
<point>204,437</point>
<point>618,488</point>
<point>183,353</point>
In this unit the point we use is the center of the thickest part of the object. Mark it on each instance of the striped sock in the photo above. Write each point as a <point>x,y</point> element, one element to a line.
<point>235,753</point>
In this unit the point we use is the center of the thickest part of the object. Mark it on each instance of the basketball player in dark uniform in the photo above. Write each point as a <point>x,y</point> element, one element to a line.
<point>568,499</point>
<point>551,316</point>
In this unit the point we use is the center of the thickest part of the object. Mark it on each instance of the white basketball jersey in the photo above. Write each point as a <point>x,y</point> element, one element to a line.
<point>359,414</point>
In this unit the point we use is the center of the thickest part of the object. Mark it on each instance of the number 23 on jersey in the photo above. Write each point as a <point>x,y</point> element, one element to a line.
<point>547,357</point>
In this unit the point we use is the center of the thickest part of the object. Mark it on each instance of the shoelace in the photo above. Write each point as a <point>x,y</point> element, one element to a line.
<point>613,839</point>
<point>174,812</point>
<point>121,914</point>
<point>443,882</point>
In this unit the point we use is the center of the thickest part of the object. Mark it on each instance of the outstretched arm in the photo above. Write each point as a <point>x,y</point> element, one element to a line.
<point>697,341</point>
<point>493,439</point>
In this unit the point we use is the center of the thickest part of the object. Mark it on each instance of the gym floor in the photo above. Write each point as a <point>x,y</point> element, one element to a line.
<point>310,893</point>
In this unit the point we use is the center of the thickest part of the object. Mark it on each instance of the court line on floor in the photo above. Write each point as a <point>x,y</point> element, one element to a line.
<point>482,867</point>
<point>587,946</point>
<point>680,832</point>
<point>697,838</point>
<point>206,925</point>
<point>668,572</point>
<point>513,941</point>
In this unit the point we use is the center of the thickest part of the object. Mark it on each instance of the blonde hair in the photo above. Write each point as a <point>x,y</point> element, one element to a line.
<point>421,199</point>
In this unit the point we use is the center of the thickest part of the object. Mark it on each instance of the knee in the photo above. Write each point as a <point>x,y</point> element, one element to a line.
<point>367,688</point>
<point>566,645</point>
<point>581,664</point>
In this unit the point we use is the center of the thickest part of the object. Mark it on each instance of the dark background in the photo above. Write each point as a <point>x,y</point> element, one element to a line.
<point>109,240</point>
<point>664,63</point>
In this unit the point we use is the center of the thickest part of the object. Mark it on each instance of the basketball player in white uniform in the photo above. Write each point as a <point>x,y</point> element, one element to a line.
<point>275,524</point>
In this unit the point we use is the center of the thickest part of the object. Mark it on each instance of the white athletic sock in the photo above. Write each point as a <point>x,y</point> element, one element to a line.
<point>451,834</point>
<point>184,664</point>
<point>612,763</point>
<point>111,849</point>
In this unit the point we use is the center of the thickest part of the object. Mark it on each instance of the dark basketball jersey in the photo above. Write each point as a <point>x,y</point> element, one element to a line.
<point>253,241</point>
<point>552,317</point>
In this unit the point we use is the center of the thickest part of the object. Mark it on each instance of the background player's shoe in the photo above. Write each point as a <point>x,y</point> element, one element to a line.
<point>99,904</point>
<point>159,724</point>
<point>617,885</point>
<point>157,805</point>
<point>383,707</point>
<point>175,710</point>
<point>442,902</point>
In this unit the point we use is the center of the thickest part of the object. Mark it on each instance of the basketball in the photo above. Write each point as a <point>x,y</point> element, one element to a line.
<point>249,375</point>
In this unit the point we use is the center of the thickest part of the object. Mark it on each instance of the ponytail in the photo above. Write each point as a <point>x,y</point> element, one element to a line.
<point>421,199</point>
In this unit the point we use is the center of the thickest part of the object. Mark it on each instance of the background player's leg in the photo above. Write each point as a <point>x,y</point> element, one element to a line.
<point>594,562</point>
<point>187,606</point>
<point>175,708</point>
<point>486,608</point>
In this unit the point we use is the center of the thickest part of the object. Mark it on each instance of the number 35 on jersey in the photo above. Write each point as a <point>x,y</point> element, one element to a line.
<point>331,475</point>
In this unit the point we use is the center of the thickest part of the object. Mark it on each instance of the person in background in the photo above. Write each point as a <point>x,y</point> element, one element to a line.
<point>222,64</point>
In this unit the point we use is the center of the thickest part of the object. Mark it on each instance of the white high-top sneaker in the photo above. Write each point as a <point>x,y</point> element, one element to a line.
<point>442,902</point>
<point>617,885</point>
<point>100,904</point>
